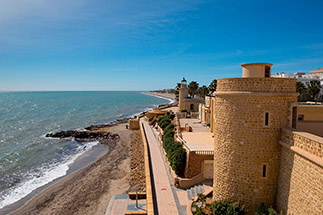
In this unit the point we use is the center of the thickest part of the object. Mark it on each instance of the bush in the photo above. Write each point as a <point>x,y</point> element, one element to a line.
<point>169,133</point>
<point>162,119</point>
<point>164,124</point>
<point>227,207</point>
<point>264,210</point>
<point>183,110</point>
<point>174,151</point>
<point>169,127</point>
<point>151,118</point>
<point>178,160</point>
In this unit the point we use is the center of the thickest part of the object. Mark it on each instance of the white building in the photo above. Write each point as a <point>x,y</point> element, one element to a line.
<point>304,78</point>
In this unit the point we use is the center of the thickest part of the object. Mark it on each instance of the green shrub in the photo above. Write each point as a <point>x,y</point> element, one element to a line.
<point>164,124</point>
<point>162,119</point>
<point>169,127</point>
<point>192,111</point>
<point>183,110</point>
<point>169,133</point>
<point>175,153</point>
<point>264,210</point>
<point>178,160</point>
<point>151,118</point>
<point>227,207</point>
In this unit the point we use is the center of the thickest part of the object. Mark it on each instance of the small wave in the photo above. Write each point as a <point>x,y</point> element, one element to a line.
<point>48,175</point>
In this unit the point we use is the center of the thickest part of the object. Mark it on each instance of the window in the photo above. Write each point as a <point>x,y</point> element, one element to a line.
<point>294,117</point>
<point>266,119</point>
<point>300,117</point>
<point>264,170</point>
<point>267,71</point>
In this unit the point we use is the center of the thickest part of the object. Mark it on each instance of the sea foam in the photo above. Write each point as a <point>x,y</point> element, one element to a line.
<point>49,174</point>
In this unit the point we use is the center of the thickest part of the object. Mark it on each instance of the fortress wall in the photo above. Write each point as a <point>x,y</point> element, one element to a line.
<point>246,148</point>
<point>300,187</point>
<point>256,85</point>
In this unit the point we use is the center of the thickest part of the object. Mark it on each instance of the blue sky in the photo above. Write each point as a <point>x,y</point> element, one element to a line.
<point>144,45</point>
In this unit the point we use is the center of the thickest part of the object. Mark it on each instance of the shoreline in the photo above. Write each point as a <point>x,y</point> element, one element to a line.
<point>167,96</point>
<point>30,203</point>
<point>73,189</point>
<point>81,162</point>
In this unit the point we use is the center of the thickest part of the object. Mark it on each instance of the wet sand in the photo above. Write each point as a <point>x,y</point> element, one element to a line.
<point>88,190</point>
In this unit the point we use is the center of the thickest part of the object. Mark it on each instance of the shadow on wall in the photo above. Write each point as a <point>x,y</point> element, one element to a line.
<point>315,128</point>
<point>284,180</point>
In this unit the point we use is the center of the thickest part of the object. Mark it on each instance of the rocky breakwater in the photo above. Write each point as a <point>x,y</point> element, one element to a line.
<point>100,134</point>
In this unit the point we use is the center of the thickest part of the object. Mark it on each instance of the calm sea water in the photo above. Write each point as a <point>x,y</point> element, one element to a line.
<point>27,159</point>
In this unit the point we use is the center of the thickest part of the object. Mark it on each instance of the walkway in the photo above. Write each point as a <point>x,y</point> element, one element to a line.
<point>166,204</point>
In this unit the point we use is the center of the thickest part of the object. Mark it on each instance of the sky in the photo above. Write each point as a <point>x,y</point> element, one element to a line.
<point>146,45</point>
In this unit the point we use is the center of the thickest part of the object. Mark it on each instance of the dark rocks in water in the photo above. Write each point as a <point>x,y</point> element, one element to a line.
<point>96,127</point>
<point>84,136</point>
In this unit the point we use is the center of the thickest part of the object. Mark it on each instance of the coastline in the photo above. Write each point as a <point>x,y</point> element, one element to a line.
<point>168,96</point>
<point>83,191</point>
<point>81,162</point>
<point>51,198</point>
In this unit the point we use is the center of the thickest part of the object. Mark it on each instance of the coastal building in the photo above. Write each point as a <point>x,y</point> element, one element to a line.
<point>259,156</point>
<point>185,101</point>
<point>304,78</point>
<point>205,111</point>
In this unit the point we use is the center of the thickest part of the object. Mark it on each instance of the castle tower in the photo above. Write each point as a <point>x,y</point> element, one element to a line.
<point>183,93</point>
<point>250,113</point>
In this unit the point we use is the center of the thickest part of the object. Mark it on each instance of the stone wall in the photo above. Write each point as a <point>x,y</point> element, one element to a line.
<point>301,177</point>
<point>194,163</point>
<point>247,151</point>
<point>256,85</point>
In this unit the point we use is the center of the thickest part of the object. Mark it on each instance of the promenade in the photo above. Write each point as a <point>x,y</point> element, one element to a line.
<point>163,190</point>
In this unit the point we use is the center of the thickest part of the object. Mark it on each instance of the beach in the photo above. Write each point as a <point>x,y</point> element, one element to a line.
<point>103,171</point>
<point>88,190</point>
<point>163,95</point>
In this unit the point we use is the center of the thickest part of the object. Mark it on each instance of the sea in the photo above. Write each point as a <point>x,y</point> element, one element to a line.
<point>29,160</point>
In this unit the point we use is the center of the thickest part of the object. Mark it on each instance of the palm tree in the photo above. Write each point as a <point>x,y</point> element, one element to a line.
<point>212,86</point>
<point>314,88</point>
<point>176,92</point>
<point>301,89</point>
<point>203,91</point>
<point>192,87</point>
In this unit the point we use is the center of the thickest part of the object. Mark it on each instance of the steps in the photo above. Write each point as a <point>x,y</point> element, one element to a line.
<point>194,190</point>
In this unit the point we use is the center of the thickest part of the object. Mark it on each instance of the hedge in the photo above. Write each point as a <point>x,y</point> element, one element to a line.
<point>176,154</point>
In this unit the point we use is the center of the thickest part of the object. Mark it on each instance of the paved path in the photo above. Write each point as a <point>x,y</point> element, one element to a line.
<point>166,204</point>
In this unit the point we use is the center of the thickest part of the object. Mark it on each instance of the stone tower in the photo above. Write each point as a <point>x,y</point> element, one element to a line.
<point>183,93</point>
<point>250,113</point>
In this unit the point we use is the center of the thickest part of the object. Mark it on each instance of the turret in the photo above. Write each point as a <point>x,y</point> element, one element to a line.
<point>249,115</point>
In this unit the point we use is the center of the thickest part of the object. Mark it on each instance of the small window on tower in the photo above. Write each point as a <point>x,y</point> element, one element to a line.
<point>267,71</point>
<point>266,119</point>
<point>264,168</point>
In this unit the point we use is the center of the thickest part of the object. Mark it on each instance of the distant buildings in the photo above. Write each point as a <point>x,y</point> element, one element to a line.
<point>304,78</point>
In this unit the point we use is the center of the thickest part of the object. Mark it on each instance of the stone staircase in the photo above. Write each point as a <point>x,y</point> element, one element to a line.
<point>194,190</point>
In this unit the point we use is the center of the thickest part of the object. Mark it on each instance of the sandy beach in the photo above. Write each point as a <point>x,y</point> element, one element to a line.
<point>165,95</point>
<point>88,190</point>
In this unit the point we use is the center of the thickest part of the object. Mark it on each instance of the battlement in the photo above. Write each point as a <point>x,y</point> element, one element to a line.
<point>305,141</point>
<point>274,85</point>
